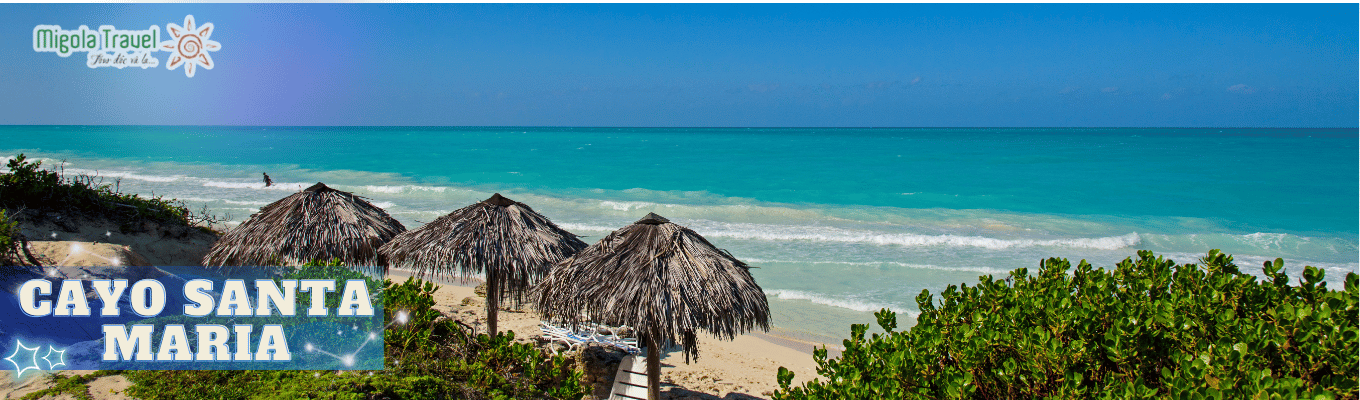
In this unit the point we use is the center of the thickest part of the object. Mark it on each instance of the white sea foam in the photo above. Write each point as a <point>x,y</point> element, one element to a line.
<point>385,189</point>
<point>831,234</point>
<point>398,189</point>
<point>587,227</point>
<point>281,186</point>
<point>1251,264</point>
<point>985,270</point>
<point>849,304</point>
<point>631,205</point>
<point>384,204</point>
<point>246,203</point>
<point>767,232</point>
<point>122,175</point>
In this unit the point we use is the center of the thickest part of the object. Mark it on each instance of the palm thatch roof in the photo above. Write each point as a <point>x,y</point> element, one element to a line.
<point>662,279</point>
<point>317,223</point>
<point>502,238</point>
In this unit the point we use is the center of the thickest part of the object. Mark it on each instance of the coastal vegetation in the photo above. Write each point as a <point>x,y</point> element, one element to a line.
<point>1149,328</point>
<point>9,240</point>
<point>28,187</point>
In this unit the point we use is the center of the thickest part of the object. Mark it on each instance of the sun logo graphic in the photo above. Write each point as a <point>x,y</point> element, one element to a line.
<point>189,46</point>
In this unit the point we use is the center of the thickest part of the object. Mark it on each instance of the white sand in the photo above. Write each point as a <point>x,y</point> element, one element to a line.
<point>159,245</point>
<point>104,387</point>
<point>747,366</point>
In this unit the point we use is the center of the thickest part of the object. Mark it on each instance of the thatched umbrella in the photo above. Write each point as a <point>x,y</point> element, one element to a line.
<point>662,279</point>
<point>505,239</point>
<point>317,223</point>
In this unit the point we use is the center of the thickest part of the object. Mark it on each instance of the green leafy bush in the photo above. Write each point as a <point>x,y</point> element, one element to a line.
<point>429,356</point>
<point>28,186</point>
<point>1147,329</point>
<point>9,241</point>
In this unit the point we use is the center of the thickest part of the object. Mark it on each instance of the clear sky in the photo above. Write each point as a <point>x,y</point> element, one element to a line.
<point>905,65</point>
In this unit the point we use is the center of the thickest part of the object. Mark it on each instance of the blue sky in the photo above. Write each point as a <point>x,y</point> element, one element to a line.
<point>908,65</point>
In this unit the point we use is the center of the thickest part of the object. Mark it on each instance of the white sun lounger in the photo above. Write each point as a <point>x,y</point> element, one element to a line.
<point>630,383</point>
<point>572,339</point>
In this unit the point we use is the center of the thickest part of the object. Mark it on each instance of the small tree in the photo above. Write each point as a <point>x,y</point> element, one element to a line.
<point>9,241</point>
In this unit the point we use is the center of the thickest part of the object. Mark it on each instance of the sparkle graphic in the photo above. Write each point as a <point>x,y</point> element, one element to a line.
<point>61,357</point>
<point>348,359</point>
<point>190,46</point>
<point>19,369</point>
<point>77,249</point>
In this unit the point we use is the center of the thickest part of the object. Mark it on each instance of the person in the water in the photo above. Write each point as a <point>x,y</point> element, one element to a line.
<point>267,182</point>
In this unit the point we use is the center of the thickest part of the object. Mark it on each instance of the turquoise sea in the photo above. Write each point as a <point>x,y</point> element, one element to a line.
<point>840,222</point>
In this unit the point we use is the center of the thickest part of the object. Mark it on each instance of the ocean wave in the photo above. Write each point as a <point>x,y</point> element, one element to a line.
<point>829,234</point>
<point>849,304</point>
<point>398,189</point>
<point>985,270</point>
<point>247,203</point>
<point>765,232</point>
<point>1251,264</point>
<point>281,186</point>
<point>1260,243</point>
<point>631,205</point>
<point>587,227</point>
<point>123,175</point>
<point>235,202</point>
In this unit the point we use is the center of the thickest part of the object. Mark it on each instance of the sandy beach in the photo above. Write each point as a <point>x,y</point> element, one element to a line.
<point>740,369</point>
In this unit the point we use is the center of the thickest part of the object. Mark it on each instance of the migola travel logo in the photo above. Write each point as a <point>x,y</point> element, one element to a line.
<point>109,46</point>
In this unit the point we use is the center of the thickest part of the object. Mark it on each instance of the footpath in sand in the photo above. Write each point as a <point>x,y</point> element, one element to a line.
<point>744,368</point>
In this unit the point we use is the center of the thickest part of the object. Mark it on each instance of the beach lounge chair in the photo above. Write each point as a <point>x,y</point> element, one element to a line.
<point>630,382</point>
<point>612,338</point>
<point>592,334</point>
<point>563,335</point>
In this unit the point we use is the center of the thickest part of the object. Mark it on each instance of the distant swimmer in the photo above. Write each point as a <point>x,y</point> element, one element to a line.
<point>267,182</point>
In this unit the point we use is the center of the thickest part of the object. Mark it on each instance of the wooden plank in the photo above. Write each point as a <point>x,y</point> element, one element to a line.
<point>630,382</point>
<point>633,377</point>
<point>626,391</point>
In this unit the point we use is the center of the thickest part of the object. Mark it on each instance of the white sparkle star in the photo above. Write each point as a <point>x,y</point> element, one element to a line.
<point>19,370</point>
<point>61,357</point>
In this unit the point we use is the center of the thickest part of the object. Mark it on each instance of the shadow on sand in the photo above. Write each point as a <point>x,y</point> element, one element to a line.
<point>679,393</point>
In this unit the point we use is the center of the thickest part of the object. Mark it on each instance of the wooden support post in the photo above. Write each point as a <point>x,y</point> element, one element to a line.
<point>493,297</point>
<point>653,368</point>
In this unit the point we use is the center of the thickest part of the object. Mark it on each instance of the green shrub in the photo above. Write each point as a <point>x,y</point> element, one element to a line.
<point>427,357</point>
<point>9,241</point>
<point>28,186</point>
<point>1149,328</point>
